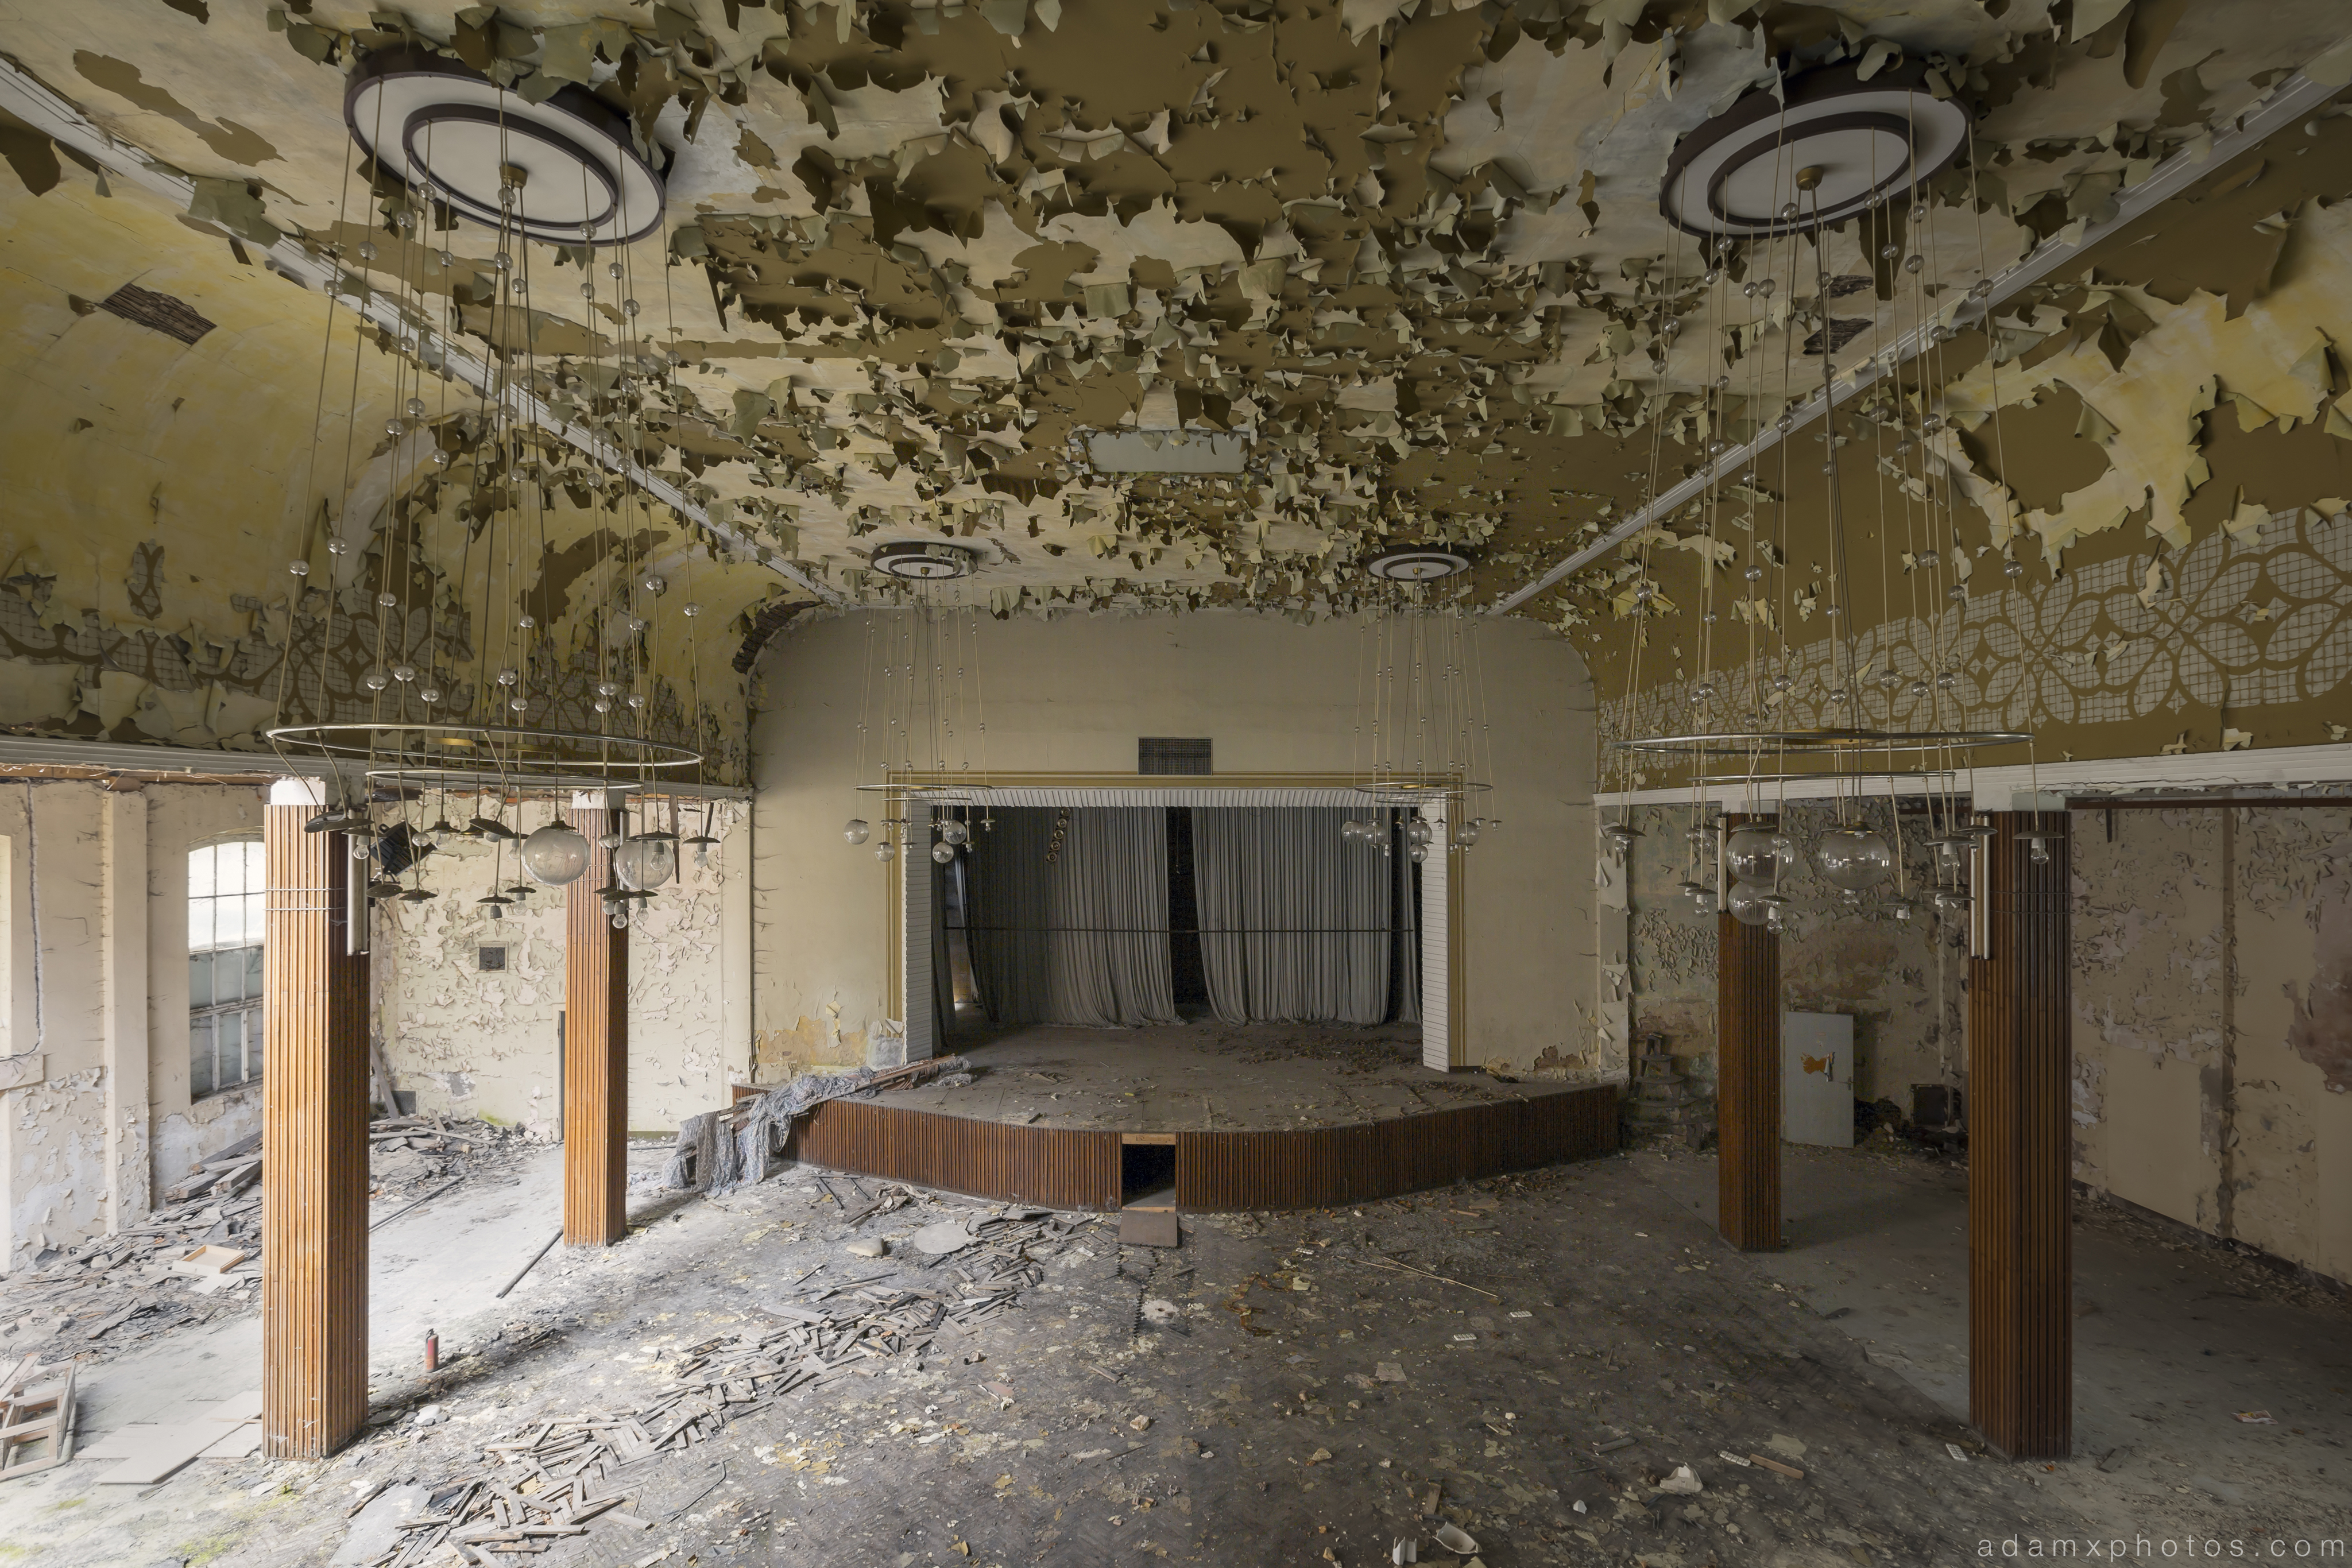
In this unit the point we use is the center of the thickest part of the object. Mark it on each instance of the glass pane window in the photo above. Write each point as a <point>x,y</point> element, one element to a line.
<point>228,910</point>
<point>200,1057</point>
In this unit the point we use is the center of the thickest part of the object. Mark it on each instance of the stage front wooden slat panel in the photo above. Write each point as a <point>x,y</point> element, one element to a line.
<point>1323,1167</point>
<point>1052,1166</point>
<point>1312,1168</point>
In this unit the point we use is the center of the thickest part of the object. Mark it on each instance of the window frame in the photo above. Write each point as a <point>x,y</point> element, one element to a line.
<point>246,1008</point>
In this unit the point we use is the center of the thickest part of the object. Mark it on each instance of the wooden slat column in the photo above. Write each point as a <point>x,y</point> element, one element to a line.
<point>1748,1080</point>
<point>2021,1140</point>
<point>595,1047</point>
<point>314,1183</point>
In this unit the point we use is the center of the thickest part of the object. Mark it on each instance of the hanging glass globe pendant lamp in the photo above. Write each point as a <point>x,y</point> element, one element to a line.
<point>555,856</point>
<point>1853,859</point>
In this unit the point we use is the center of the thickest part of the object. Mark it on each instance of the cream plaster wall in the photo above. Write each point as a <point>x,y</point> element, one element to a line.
<point>1073,696</point>
<point>471,1043</point>
<point>94,1110</point>
<point>95,1116</point>
<point>2213,1021</point>
<point>2213,999</point>
<point>1899,980</point>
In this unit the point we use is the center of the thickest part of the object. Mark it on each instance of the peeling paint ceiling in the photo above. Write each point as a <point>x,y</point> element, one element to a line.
<point>914,255</point>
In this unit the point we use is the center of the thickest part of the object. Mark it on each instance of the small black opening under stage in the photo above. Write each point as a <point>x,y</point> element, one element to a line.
<point>1147,1173</point>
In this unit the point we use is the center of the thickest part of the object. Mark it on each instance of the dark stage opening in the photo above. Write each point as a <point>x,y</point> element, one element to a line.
<point>1189,975</point>
<point>1147,1173</point>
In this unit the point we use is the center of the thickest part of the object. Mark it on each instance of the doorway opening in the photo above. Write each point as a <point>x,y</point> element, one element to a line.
<point>1147,1171</point>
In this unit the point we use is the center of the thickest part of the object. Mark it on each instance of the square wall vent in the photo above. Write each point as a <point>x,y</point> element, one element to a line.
<point>493,960</point>
<point>1168,451</point>
<point>1155,754</point>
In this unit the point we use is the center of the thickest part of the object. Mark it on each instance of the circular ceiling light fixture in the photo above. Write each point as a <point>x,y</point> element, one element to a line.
<point>923,561</point>
<point>1841,146</point>
<point>570,162</point>
<point>1417,564</point>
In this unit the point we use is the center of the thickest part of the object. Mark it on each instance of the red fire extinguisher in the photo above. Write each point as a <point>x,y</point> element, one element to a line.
<point>432,1350</point>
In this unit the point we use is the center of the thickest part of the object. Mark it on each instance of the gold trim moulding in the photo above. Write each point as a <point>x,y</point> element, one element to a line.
<point>1824,742</point>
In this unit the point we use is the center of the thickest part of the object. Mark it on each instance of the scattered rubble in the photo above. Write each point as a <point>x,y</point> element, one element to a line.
<point>193,1259</point>
<point>1660,1104</point>
<point>407,1153</point>
<point>556,1477</point>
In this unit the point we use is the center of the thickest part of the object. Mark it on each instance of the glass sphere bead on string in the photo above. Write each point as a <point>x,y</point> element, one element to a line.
<point>1748,904</point>
<point>943,852</point>
<point>1853,859</point>
<point>857,832</point>
<point>1757,853</point>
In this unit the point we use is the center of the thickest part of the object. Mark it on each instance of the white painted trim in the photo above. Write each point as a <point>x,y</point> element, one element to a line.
<point>55,117</point>
<point>310,792</point>
<point>2271,767</point>
<point>1187,795</point>
<point>1436,971</point>
<point>2286,103</point>
<point>916,1001</point>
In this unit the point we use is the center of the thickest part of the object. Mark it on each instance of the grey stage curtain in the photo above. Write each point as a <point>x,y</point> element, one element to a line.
<point>1081,940</point>
<point>943,1011</point>
<point>1297,921</point>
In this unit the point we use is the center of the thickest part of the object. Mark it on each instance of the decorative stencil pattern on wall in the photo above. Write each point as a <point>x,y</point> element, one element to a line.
<point>2237,622</point>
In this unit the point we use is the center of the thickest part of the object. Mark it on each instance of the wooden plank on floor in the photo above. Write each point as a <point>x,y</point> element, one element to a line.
<point>1146,1227</point>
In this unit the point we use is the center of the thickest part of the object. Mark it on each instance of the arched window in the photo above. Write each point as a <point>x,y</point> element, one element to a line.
<point>225,924</point>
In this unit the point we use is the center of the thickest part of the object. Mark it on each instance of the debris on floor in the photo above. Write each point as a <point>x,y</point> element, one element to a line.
<point>148,1452</point>
<point>406,1153</point>
<point>1455,1539</point>
<point>1683,1482</point>
<point>571,1466</point>
<point>37,1418</point>
<point>196,1257</point>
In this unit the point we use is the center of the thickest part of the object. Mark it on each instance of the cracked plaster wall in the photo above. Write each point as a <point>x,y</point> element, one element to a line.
<point>471,1043</point>
<point>2158,442</point>
<point>2212,1040</point>
<point>96,1116</point>
<point>1072,697</point>
<point>1900,981</point>
<point>161,487</point>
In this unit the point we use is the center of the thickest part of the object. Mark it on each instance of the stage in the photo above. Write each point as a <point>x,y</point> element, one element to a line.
<point>1205,1117</point>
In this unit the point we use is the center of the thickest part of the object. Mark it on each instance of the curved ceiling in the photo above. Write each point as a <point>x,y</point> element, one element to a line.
<point>916,255</point>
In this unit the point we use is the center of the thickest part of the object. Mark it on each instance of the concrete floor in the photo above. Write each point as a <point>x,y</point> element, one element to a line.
<point>1205,1077</point>
<point>1306,1393</point>
<point>2173,1337</point>
<point>440,1264</point>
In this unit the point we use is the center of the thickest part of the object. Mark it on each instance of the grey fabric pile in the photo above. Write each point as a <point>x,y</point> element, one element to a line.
<point>708,1159</point>
<point>774,1111</point>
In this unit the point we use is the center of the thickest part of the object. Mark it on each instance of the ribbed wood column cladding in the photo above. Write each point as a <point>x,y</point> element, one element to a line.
<point>314,1182</point>
<point>2021,1146</point>
<point>1748,1080</point>
<point>596,1052</point>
